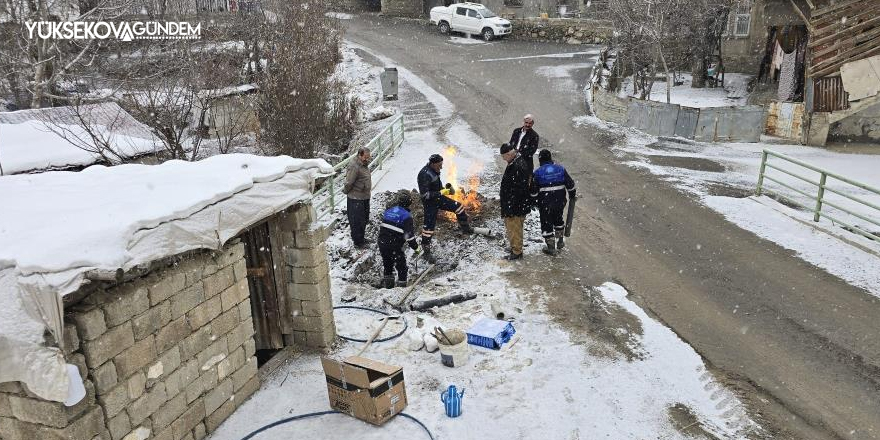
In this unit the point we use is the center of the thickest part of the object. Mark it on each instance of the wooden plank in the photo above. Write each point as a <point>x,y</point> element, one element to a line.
<point>818,12</point>
<point>264,304</point>
<point>851,14</point>
<point>826,68</point>
<point>845,48</point>
<point>849,31</point>
<point>277,245</point>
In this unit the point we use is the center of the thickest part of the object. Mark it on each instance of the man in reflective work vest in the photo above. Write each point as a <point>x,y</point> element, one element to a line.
<point>550,184</point>
<point>395,230</point>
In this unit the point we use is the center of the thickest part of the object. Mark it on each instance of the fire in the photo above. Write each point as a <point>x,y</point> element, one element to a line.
<point>466,195</point>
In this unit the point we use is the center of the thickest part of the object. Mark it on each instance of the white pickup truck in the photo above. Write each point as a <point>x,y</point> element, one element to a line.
<point>471,18</point>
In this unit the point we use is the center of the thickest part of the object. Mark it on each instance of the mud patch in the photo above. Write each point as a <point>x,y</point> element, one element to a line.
<point>364,266</point>
<point>684,420</point>
<point>617,331</point>
<point>674,146</point>
<point>720,189</point>
<point>690,163</point>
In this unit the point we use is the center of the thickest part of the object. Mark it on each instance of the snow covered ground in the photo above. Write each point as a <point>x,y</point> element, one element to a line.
<point>732,94</point>
<point>724,177</point>
<point>545,385</point>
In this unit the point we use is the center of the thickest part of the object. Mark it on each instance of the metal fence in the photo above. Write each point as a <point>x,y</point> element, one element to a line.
<point>329,194</point>
<point>820,198</point>
<point>708,124</point>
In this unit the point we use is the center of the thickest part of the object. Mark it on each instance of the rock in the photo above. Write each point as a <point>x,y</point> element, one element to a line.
<point>380,112</point>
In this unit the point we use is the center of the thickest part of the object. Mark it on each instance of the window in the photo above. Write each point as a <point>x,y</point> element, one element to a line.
<point>461,11</point>
<point>473,14</point>
<point>486,13</point>
<point>741,19</point>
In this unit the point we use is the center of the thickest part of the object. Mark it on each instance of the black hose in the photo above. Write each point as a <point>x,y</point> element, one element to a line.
<point>347,338</point>
<point>323,413</point>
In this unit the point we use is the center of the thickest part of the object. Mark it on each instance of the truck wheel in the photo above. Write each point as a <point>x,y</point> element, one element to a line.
<point>444,27</point>
<point>488,34</point>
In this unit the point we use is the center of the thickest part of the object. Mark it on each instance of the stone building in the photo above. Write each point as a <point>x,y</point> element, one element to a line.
<point>797,50</point>
<point>168,344</point>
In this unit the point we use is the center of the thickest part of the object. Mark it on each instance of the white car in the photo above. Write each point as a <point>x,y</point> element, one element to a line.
<point>471,18</point>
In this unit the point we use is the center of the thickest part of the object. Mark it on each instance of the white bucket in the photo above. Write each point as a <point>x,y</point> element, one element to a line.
<point>455,354</point>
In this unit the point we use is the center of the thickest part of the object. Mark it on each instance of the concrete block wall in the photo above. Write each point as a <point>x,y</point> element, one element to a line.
<point>308,272</point>
<point>168,356</point>
<point>610,107</point>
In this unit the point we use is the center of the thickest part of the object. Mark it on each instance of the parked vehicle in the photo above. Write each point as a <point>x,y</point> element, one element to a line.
<point>471,18</point>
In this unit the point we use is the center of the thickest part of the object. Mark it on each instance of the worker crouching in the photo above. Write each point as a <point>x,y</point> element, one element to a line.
<point>434,199</point>
<point>396,230</point>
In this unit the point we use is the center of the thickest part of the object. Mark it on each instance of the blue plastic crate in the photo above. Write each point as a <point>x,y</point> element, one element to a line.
<point>490,333</point>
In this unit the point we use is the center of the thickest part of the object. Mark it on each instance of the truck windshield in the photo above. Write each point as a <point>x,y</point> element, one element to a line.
<point>486,13</point>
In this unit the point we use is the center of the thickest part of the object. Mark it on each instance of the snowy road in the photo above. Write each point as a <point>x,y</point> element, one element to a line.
<point>800,344</point>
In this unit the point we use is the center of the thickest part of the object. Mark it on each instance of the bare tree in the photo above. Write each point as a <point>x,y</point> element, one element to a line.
<point>654,35</point>
<point>302,105</point>
<point>90,127</point>
<point>33,66</point>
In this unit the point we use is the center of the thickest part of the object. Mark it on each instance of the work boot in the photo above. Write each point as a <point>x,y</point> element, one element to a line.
<point>511,256</point>
<point>401,283</point>
<point>465,227</point>
<point>560,240</point>
<point>388,282</point>
<point>551,246</point>
<point>426,253</point>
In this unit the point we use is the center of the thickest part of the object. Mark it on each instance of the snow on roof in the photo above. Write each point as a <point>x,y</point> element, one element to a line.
<point>56,227</point>
<point>27,142</point>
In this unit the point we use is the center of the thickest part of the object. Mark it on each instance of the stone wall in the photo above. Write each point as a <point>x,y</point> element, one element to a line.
<point>863,126</point>
<point>571,31</point>
<point>308,275</point>
<point>167,356</point>
<point>403,8</point>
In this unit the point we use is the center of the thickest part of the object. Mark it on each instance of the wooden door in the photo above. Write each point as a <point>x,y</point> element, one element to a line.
<point>265,304</point>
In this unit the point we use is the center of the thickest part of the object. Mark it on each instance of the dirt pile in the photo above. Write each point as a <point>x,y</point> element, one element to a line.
<point>448,246</point>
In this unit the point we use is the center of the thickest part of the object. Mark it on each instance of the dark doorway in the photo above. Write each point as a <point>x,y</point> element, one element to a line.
<point>265,304</point>
<point>371,5</point>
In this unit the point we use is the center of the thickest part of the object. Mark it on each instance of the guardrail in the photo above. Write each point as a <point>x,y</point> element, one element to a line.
<point>329,195</point>
<point>819,197</point>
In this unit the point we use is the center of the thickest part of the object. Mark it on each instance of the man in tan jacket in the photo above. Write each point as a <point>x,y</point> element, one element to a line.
<point>358,184</point>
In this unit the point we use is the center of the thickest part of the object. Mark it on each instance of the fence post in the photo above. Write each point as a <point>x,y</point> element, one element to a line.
<point>819,199</point>
<point>332,192</point>
<point>761,173</point>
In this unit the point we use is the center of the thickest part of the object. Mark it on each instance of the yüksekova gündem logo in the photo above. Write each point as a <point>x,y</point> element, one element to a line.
<point>123,30</point>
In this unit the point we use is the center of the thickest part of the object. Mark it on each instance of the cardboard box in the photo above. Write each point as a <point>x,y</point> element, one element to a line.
<point>369,390</point>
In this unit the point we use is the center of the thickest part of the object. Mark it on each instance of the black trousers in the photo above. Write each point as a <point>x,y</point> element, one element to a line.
<point>393,258</point>
<point>358,212</point>
<point>552,222</point>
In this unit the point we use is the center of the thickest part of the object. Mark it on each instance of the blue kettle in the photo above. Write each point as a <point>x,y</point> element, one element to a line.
<point>451,398</point>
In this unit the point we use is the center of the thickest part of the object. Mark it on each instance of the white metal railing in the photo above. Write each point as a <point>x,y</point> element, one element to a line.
<point>820,198</point>
<point>329,195</point>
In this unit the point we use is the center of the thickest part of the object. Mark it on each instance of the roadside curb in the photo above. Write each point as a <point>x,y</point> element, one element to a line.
<point>817,227</point>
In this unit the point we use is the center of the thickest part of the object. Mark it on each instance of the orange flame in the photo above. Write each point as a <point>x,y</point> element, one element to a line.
<point>467,195</point>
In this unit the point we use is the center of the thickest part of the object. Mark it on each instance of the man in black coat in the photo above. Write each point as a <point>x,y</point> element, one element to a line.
<point>515,198</point>
<point>525,140</point>
<point>433,195</point>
